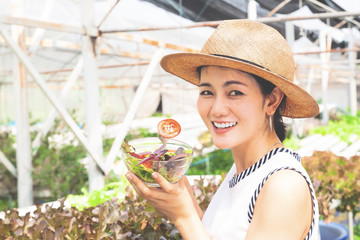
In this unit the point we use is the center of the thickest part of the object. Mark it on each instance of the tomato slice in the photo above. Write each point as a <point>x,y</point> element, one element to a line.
<point>147,164</point>
<point>136,155</point>
<point>168,128</point>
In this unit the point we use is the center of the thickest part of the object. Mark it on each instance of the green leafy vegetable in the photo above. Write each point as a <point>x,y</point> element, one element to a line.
<point>169,163</point>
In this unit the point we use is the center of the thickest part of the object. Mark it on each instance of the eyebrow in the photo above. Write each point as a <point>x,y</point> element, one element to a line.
<point>226,84</point>
<point>205,85</point>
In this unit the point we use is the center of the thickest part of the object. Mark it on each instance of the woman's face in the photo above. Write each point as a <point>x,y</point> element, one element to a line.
<point>231,105</point>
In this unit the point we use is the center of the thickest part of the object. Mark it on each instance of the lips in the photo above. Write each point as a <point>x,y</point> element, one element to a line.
<point>224,125</point>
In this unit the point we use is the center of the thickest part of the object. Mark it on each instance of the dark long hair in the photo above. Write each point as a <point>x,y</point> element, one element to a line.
<point>266,88</point>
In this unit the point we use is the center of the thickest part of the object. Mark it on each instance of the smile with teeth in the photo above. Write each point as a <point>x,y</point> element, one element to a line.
<point>224,125</point>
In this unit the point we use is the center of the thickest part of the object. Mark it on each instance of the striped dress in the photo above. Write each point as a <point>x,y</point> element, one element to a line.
<point>231,210</point>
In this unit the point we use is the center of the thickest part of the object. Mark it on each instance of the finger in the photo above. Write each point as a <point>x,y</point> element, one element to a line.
<point>164,184</point>
<point>140,187</point>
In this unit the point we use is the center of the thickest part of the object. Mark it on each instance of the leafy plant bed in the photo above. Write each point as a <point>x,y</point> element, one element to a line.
<point>335,179</point>
<point>345,127</point>
<point>131,218</point>
<point>214,163</point>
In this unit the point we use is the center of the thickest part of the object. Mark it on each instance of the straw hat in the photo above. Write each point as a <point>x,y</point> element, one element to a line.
<point>251,47</point>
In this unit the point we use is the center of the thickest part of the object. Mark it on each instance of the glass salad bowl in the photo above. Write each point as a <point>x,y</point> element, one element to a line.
<point>144,156</point>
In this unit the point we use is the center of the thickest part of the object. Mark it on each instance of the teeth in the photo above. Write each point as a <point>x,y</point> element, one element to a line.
<point>224,125</point>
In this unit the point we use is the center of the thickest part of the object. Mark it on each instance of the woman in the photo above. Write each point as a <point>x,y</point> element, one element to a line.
<point>245,76</point>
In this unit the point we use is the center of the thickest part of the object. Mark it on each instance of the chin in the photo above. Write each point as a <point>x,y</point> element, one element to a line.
<point>222,144</point>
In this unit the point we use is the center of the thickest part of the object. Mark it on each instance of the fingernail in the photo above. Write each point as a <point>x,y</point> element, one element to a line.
<point>128,175</point>
<point>154,175</point>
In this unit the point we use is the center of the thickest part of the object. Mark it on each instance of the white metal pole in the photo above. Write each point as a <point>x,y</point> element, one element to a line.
<point>23,150</point>
<point>352,83</point>
<point>324,76</point>
<point>53,100</point>
<point>39,32</point>
<point>252,14</point>
<point>8,164</point>
<point>130,115</point>
<point>310,79</point>
<point>2,103</point>
<point>290,34</point>
<point>296,124</point>
<point>351,225</point>
<point>92,96</point>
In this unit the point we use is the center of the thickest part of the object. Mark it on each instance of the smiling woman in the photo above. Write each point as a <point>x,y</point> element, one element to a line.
<point>223,104</point>
<point>245,75</point>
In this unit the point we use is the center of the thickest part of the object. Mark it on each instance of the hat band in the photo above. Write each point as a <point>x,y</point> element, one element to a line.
<point>241,60</point>
<point>246,61</point>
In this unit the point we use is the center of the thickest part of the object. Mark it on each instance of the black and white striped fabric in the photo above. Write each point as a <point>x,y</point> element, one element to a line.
<point>230,211</point>
<point>258,164</point>
<point>257,191</point>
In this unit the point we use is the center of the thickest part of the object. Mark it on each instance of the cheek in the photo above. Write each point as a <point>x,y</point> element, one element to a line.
<point>250,112</point>
<point>201,107</point>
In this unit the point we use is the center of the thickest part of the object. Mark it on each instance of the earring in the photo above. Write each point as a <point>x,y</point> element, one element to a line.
<point>270,121</point>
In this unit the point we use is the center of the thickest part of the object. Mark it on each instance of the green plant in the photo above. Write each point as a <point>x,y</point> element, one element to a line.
<point>292,142</point>
<point>131,218</point>
<point>334,178</point>
<point>57,164</point>
<point>92,199</point>
<point>7,142</point>
<point>219,161</point>
<point>344,127</point>
<point>213,163</point>
<point>357,232</point>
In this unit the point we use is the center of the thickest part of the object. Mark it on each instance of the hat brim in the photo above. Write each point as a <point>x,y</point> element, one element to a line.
<point>299,104</point>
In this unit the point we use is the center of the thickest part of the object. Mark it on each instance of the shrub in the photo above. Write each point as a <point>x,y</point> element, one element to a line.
<point>334,178</point>
<point>219,162</point>
<point>344,127</point>
<point>132,218</point>
<point>57,164</point>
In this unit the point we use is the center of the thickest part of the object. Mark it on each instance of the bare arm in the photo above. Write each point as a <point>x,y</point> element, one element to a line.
<point>175,201</point>
<point>197,207</point>
<point>283,209</point>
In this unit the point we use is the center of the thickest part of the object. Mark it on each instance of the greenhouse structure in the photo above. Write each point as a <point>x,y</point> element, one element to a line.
<point>94,65</point>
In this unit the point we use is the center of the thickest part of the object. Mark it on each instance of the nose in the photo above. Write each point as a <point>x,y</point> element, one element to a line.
<point>219,107</point>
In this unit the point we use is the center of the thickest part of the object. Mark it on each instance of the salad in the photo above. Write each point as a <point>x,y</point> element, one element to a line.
<point>170,157</point>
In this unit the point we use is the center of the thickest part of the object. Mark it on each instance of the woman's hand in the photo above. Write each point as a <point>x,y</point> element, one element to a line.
<point>172,200</point>
<point>175,201</point>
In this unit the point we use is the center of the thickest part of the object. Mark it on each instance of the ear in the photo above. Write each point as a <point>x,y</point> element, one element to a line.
<point>273,100</point>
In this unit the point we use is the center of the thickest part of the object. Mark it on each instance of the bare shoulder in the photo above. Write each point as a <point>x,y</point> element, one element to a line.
<point>289,184</point>
<point>283,207</point>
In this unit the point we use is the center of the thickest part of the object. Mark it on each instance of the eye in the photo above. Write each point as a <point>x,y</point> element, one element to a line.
<point>235,93</point>
<point>205,93</point>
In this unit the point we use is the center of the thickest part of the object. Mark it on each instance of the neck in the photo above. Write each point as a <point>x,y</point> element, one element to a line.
<point>247,154</point>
